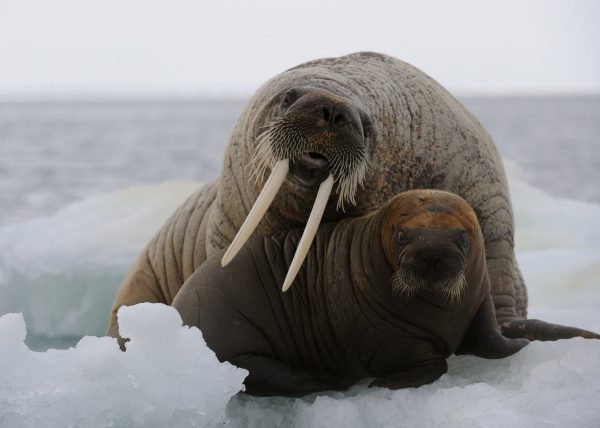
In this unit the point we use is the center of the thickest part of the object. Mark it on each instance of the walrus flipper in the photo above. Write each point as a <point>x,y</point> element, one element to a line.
<point>484,340</point>
<point>422,374</point>
<point>271,377</point>
<point>540,330</point>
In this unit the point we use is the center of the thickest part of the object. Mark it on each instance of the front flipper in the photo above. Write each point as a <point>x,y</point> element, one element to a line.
<point>540,330</point>
<point>413,377</point>
<point>484,340</point>
<point>269,377</point>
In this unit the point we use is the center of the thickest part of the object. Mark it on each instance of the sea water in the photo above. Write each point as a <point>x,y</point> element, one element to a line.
<point>55,153</point>
<point>71,231</point>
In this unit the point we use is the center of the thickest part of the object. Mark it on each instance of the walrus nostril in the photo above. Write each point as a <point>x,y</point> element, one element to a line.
<point>435,263</point>
<point>327,112</point>
<point>334,115</point>
<point>339,119</point>
<point>430,262</point>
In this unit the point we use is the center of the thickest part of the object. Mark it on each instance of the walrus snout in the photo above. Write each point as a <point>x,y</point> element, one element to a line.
<point>316,137</point>
<point>322,109</point>
<point>332,125</point>
<point>434,262</point>
<point>428,248</point>
<point>326,111</point>
<point>323,134</point>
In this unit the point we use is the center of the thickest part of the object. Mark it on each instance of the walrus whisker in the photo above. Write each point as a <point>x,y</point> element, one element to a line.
<point>263,156</point>
<point>283,140</point>
<point>407,283</point>
<point>258,210</point>
<point>350,170</point>
<point>452,286</point>
<point>309,231</point>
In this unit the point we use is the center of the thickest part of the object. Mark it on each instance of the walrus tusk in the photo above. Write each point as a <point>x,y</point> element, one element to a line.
<point>309,231</point>
<point>258,210</point>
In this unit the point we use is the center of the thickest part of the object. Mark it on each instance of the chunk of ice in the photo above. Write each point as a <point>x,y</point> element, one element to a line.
<point>167,377</point>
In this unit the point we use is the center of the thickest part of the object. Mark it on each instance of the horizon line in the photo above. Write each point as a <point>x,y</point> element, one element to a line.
<point>196,95</point>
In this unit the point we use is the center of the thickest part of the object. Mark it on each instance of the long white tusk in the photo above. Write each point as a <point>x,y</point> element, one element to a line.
<point>309,231</point>
<point>258,210</point>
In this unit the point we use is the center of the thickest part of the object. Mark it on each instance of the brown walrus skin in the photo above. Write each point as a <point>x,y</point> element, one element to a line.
<point>343,320</point>
<point>384,112</point>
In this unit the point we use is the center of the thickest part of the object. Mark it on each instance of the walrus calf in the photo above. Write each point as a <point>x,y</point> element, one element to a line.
<point>389,295</point>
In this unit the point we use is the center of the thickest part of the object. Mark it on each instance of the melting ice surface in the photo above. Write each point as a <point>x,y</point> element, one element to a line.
<point>62,272</point>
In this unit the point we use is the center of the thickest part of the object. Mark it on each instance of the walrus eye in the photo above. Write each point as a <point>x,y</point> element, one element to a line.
<point>401,239</point>
<point>464,240</point>
<point>287,99</point>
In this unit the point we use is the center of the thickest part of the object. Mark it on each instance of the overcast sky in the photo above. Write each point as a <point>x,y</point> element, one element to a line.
<point>191,47</point>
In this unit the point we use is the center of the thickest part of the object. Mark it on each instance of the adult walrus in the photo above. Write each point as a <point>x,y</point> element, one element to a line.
<point>389,295</point>
<point>365,126</point>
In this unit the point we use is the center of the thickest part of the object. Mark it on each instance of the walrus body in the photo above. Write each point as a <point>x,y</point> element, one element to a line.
<point>410,132</point>
<point>345,318</point>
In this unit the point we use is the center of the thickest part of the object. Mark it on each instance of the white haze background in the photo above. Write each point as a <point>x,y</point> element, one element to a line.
<point>61,270</point>
<point>73,47</point>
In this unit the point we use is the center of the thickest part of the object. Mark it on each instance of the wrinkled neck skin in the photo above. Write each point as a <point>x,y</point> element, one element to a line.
<point>341,308</point>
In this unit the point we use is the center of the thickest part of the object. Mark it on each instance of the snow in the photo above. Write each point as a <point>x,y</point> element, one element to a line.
<point>61,272</point>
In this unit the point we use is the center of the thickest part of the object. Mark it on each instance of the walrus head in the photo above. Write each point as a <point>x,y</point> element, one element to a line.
<point>430,238</point>
<point>313,137</point>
